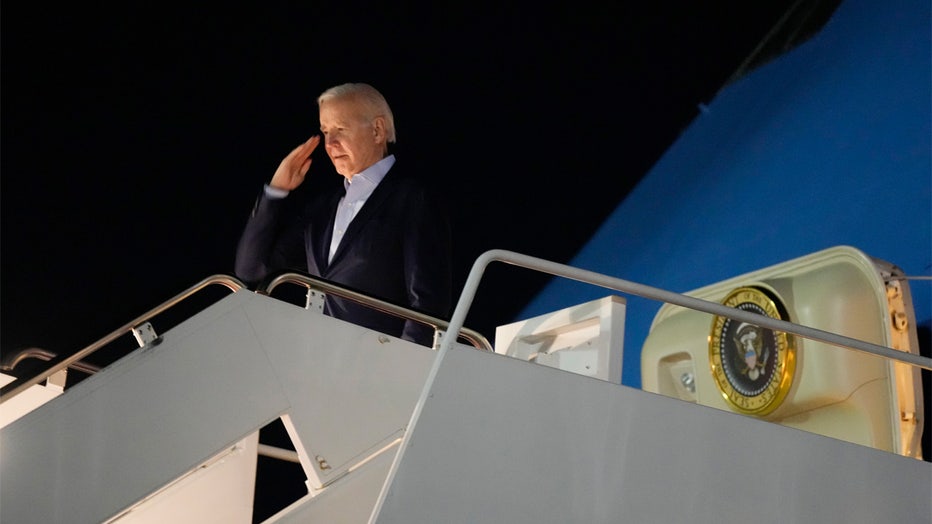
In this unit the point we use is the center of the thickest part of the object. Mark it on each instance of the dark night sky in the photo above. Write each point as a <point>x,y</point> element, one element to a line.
<point>135,139</point>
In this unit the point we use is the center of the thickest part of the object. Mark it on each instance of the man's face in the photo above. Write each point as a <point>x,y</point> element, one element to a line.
<point>352,143</point>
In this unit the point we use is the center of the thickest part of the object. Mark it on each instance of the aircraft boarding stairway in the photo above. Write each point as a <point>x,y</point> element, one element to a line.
<point>389,431</point>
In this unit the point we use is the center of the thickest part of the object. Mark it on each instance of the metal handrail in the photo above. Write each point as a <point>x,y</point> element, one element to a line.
<point>641,290</point>
<point>475,338</point>
<point>18,386</point>
<point>582,275</point>
<point>46,355</point>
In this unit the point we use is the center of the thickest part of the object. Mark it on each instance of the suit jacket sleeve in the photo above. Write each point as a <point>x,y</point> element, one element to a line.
<point>427,264</point>
<point>266,244</point>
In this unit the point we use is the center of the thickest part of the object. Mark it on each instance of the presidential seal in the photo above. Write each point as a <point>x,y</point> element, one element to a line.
<point>752,366</point>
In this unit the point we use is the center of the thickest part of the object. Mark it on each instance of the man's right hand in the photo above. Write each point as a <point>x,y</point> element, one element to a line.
<point>290,173</point>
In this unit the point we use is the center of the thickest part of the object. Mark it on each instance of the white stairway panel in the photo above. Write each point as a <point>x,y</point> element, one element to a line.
<point>28,400</point>
<point>220,490</point>
<point>348,500</point>
<point>501,440</point>
<point>157,414</point>
<point>351,390</point>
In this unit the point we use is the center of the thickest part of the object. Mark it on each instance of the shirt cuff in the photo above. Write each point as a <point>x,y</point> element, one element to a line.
<point>274,192</point>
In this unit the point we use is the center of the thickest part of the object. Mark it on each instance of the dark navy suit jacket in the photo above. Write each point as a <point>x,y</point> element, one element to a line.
<point>397,248</point>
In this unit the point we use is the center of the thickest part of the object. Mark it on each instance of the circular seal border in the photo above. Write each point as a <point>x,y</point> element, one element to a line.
<point>777,374</point>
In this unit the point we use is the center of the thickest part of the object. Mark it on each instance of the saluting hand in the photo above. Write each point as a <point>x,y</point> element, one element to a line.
<point>290,173</point>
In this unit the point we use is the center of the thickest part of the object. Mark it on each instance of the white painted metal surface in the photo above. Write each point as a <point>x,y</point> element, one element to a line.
<point>28,400</point>
<point>222,489</point>
<point>349,500</point>
<point>587,338</point>
<point>500,440</point>
<point>159,413</point>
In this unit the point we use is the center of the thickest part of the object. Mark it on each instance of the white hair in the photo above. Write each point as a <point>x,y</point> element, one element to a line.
<point>373,102</point>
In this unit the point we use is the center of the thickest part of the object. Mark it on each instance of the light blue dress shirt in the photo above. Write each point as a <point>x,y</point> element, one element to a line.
<point>358,190</point>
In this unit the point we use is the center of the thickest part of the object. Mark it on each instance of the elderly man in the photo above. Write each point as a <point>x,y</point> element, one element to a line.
<point>381,233</point>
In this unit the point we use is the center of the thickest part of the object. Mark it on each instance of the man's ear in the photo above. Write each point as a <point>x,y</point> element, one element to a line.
<point>378,130</point>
